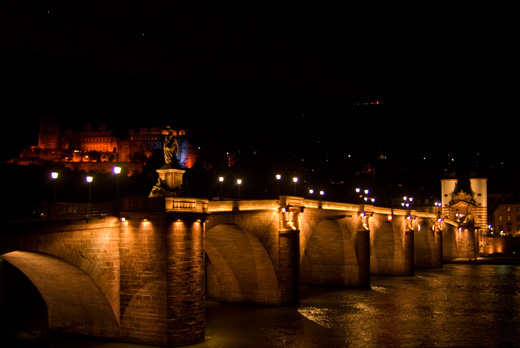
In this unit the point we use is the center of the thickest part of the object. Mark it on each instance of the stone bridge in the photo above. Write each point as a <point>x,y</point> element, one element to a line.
<point>142,274</point>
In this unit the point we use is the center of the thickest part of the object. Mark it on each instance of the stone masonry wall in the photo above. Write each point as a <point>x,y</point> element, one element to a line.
<point>92,246</point>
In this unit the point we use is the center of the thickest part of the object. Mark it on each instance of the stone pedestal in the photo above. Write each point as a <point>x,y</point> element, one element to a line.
<point>171,177</point>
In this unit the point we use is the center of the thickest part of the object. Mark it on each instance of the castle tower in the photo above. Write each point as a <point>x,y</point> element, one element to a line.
<point>479,188</point>
<point>49,134</point>
<point>464,201</point>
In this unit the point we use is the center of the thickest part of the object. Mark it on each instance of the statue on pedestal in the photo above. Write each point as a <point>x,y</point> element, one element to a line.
<point>171,149</point>
<point>170,181</point>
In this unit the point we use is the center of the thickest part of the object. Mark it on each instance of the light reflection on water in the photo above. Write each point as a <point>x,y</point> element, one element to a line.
<point>457,306</point>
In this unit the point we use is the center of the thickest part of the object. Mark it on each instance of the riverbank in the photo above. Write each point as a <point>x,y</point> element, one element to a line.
<point>488,260</point>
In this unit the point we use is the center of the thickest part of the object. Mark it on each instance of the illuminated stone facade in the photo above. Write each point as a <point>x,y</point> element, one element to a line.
<point>100,139</point>
<point>458,205</point>
<point>96,144</point>
<point>464,203</point>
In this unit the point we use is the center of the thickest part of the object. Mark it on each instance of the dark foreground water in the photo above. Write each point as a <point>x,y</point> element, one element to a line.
<point>457,306</point>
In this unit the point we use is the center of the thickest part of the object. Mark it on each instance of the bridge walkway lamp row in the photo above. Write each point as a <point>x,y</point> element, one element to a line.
<point>89,179</point>
<point>221,180</point>
<point>407,202</point>
<point>364,195</point>
<point>322,193</point>
<point>278,177</point>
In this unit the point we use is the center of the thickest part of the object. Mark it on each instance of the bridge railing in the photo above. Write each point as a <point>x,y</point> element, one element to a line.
<point>141,204</point>
<point>169,204</point>
<point>181,204</point>
<point>242,205</point>
<point>60,210</point>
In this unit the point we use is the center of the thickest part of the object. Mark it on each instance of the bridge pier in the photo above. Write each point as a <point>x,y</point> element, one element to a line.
<point>335,246</point>
<point>409,252</point>
<point>163,277</point>
<point>428,242</point>
<point>289,266</point>
<point>392,236</point>
<point>468,242</point>
<point>289,250</point>
<point>363,257</point>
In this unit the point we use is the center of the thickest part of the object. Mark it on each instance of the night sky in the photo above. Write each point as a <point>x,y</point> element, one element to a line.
<point>261,69</point>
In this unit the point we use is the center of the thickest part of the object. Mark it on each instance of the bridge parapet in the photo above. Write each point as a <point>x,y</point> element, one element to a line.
<point>168,204</point>
<point>326,205</point>
<point>189,205</point>
<point>231,206</point>
<point>136,204</point>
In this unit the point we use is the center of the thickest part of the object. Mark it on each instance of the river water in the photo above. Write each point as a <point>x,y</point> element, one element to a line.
<point>456,306</point>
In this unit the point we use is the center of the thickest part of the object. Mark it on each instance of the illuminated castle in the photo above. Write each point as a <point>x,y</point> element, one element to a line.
<point>98,145</point>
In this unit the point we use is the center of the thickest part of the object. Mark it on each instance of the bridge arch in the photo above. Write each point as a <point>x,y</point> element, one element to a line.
<point>330,255</point>
<point>391,245</point>
<point>75,303</point>
<point>92,246</point>
<point>239,269</point>
<point>383,249</point>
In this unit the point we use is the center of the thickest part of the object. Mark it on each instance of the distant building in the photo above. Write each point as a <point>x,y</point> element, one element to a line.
<point>465,198</point>
<point>49,135</point>
<point>464,193</point>
<point>100,139</point>
<point>96,144</point>
<point>506,218</point>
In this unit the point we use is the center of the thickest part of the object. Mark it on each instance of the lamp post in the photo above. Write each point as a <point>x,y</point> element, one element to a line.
<point>89,179</point>
<point>407,202</point>
<point>295,181</point>
<point>239,183</point>
<point>278,178</point>
<point>54,177</point>
<point>221,181</point>
<point>117,171</point>
<point>363,195</point>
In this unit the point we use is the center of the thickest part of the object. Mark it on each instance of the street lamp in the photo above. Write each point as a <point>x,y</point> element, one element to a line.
<point>221,181</point>
<point>407,202</point>
<point>117,171</point>
<point>363,195</point>
<point>89,179</point>
<point>54,176</point>
<point>239,182</point>
<point>295,181</point>
<point>278,178</point>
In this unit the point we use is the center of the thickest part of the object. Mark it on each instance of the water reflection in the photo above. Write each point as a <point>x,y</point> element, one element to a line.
<point>457,306</point>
